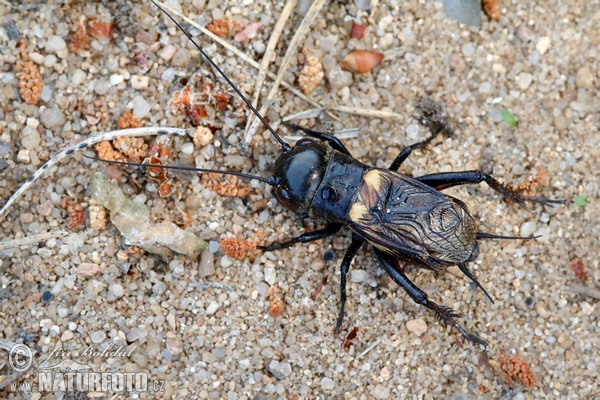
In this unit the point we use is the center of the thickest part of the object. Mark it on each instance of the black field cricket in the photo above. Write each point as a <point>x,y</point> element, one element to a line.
<point>406,219</point>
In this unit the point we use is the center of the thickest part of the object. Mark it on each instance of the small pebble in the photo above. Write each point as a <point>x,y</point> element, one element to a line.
<point>585,77</point>
<point>141,107</point>
<point>167,52</point>
<point>50,60</point>
<point>328,255</point>
<point>174,345</point>
<point>98,337</point>
<point>181,58</point>
<point>67,335</point>
<point>327,384</point>
<point>206,266</point>
<point>87,269</point>
<point>524,80</point>
<point>140,82</point>
<point>116,289</point>
<point>55,44</point>
<point>542,45</point>
<point>52,118</point>
<point>270,275</point>
<point>212,308</point>
<point>115,79</point>
<point>187,148</point>
<point>416,326</point>
<point>46,296</point>
<point>527,228</point>
<point>136,333</point>
<point>280,370</point>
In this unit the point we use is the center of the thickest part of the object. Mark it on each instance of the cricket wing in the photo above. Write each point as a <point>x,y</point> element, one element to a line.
<point>412,221</point>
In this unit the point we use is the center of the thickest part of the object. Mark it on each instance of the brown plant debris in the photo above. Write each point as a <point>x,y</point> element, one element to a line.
<point>106,151</point>
<point>133,148</point>
<point>30,79</point>
<point>128,120</point>
<point>101,30</point>
<point>225,185</point>
<point>361,61</point>
<point>357,31</point>
<point>312,73</point>
<point>513,368</point>
<point>241,248</point>
<point>350,338</point>
<point>202,136</point>
<point>98,217</point>
<point>491,8</point>
<point>531,184</point>
<point>80,38</point>
<point>219,27</point>
<point>276,304</point>
<point>578,269</point>
<point>75,211</point>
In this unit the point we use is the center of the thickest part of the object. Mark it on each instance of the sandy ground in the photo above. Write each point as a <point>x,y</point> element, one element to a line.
<point>197,340</point>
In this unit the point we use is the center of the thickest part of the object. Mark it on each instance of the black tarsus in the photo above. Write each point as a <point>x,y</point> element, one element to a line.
<point>284,146</point>
<point>445,314</point>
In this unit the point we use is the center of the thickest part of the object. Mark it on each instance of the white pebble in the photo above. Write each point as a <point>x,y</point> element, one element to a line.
<point>117,290</point>
<point>55,44</point>
<point>98,337</point>
<point>212,308</point>
<point>519,273</point>
<point>527,228</point>
<point>78,77</point>
<point>31,138</point>
<point>141,107</point>
<point>136,333</point>
<point>327,384</point>
<point>468,49</point>
<point>167,52</point>
<point>115,79</point>
<point>524,80</point>
<point>101,87</point>
<point>187,148</point>
<point>46,94</point>
<point>168,74</point>
<point>140,82</point>
<point>270,275</point>
<point>52,118</point>
<point>416,326</point>
<point>213,246</point>
<point>542,45</point>
<point>50,60</point>
<point>485,87</point>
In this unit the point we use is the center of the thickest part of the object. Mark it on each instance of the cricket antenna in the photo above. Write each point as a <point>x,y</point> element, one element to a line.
<point>269,181</point>
<point>284,146</point>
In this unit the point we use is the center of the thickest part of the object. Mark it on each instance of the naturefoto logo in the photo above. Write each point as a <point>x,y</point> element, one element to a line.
<point>68,374</point>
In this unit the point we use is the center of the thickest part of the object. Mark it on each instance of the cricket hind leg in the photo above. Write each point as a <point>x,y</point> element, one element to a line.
<point>446,315</point>
<point>444,180</point>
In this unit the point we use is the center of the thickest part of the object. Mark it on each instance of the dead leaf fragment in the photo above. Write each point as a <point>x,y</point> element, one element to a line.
<point>30,79</point>
<point>361,61</point>
<point>491,8</point>
<point>312,73</point>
